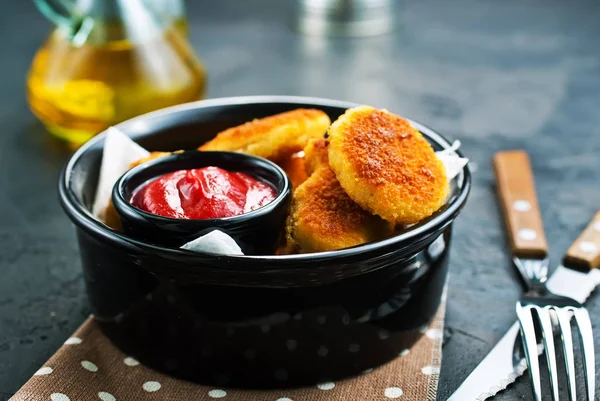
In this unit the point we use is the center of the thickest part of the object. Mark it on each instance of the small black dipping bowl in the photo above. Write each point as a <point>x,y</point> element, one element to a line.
<point>255,320</point>
<point>257,232</point>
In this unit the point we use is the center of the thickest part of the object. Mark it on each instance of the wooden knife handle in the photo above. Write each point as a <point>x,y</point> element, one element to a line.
<point>516,190</point>
<point>585,251</point>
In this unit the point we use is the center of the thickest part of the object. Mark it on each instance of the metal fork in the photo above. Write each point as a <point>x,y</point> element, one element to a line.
<point>542,301</point>
<point>530,255</point>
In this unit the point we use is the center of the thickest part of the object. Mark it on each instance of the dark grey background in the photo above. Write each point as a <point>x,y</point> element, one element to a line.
<point>494,74</point>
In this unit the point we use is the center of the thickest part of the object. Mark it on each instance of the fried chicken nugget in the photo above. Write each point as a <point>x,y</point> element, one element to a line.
<point>294,167</point>
<point>322,216</point>
<point>111,218</point>
<point>386,166</point>
<point>273,137</point>
<point>315,155</point>
<point>151,156</point>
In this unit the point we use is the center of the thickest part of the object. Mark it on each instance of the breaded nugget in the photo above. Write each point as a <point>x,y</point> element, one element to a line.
<point>386,166</point>
<point>293,166</point>
<point>111,218</point>
<point>273,137</point>
<point>322,215</point>
<point>287,249</point>
<point>151,156</point>
<point>315,155</point>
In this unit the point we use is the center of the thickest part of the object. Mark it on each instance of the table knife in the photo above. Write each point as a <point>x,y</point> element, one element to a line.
<point>576,277</point>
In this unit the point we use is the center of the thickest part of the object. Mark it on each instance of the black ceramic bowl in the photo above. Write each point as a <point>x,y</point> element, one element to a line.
<point>257,232</point>
<point>255,321</point>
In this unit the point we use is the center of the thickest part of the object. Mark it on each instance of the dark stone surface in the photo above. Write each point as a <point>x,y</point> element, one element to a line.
<point>496,75</point>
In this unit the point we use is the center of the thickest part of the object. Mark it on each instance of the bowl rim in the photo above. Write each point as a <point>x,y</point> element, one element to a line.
<point>84,219</point>
<point>133,212</point>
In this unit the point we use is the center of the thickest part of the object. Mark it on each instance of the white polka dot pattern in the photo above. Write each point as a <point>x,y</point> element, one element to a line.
<point>326,386</point>
<point>393,392</point>
<point>597,226</point>
<point>104,396</point>
<point>217,393</point>
<point>151,386</point>
<point>588,247</point>
<point>380,383</point>
<point>291,344</point>
<point>129,361</point>
<point>434,334</point>
<point>522,206</point>
<point>527,234</point>
<point>322,351</point>
<point>87,365</point>
<point>430,370</point>
<point>46,370</point>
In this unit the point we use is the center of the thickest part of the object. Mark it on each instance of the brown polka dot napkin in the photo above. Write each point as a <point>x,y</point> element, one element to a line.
<point>89,367</point>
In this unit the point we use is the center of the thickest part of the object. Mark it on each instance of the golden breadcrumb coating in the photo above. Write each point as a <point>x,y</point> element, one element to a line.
<point>315,155</point>
<point>273,137</point>
<point>386,165</point>
<point>322,215</point>
<point>151,156</point>
<point>111,218</point>
<point>293,166</point>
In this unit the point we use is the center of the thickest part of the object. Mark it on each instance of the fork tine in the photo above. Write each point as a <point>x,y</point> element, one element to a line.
<point>530,348</point>
<point>564,320</point>
<point>548,336</point>
<point>587,340</point>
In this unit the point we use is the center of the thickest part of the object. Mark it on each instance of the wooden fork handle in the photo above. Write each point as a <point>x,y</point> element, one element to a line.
<point>585,251</point>
<point>517,194</point>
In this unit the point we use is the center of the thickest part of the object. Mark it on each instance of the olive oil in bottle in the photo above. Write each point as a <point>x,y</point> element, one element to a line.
<point>118,61</point>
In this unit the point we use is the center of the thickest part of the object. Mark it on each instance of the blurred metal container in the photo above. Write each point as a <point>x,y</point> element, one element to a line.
<point>346,17</point>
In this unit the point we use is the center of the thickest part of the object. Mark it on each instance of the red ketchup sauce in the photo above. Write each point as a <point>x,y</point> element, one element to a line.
<point>203,193</point>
